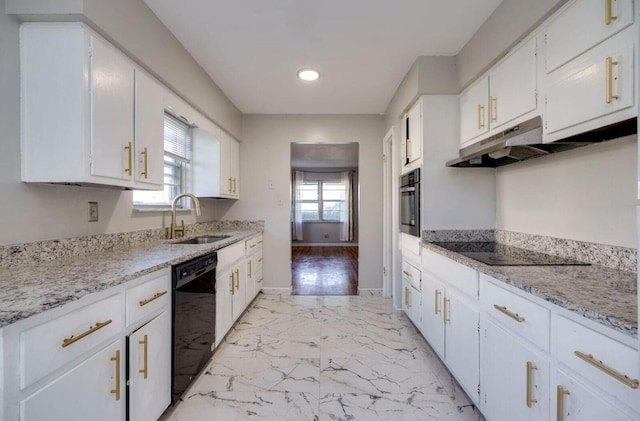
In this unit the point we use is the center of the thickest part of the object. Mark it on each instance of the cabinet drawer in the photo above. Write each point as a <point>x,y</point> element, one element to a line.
<point>148,297</point>
<point>229,255</point>
<point>582,26</point>
<point>453,273</point>
<point>411,274</point>
<point>49,346</point>
<point>252,245</point>
<point>607,360</point>
<point>517,314</point>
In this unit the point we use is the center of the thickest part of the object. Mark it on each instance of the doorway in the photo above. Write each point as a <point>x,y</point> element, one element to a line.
<point>324,219</point>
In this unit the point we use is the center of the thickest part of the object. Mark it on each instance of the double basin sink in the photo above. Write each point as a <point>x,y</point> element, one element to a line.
<point>203,239</point>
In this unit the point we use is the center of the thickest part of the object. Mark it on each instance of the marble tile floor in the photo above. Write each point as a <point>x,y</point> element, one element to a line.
<point>323,358</point>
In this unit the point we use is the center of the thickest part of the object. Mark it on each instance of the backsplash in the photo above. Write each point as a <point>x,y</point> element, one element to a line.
<point>620,258</point>
<point>48,250</point>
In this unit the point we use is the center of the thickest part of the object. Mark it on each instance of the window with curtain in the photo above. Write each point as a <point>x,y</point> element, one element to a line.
<point>322,200</point>
<point>177,159</point>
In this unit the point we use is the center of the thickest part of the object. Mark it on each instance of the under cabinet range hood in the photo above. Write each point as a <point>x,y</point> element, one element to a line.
<point>524,141</point>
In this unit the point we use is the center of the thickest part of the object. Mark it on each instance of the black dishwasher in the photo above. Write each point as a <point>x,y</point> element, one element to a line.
<point>194,319</point>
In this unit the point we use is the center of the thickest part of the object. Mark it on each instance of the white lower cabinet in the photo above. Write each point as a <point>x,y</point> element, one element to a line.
<point>92,390</point>
<point>514,379</point>
<point>432,315</point>
<point>576,402</point>
<point>149,380</point>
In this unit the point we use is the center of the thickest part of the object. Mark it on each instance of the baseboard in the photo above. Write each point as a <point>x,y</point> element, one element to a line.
<point>276,291</point>
<point>377,292</point>
<point>324,244</point>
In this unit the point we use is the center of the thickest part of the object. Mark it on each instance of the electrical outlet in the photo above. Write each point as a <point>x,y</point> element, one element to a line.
<point>326,236</point>
<point>92,211</point>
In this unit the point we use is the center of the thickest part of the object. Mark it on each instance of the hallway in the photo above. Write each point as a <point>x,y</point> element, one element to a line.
<point>330,270</point>
<point>324,358</point>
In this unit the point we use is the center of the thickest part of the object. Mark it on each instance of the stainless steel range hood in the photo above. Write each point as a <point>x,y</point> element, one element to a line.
<point>524,141</point>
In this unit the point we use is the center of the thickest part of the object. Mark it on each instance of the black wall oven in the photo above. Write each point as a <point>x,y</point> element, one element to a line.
<point>410,203</point>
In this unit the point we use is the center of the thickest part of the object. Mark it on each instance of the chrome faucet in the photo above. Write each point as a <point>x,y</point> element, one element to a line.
<point>180,229</point>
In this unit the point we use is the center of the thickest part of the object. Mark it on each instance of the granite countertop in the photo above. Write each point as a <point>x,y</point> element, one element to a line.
<point>27,290</point>
<point>607,296</point>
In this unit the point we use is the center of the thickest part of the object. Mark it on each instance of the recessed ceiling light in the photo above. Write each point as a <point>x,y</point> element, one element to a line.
<point>308,74</point>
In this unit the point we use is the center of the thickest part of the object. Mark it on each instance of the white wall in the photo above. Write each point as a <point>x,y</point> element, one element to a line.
<point>265,155</point>
<point>34,212</point>
<point>587,194</point>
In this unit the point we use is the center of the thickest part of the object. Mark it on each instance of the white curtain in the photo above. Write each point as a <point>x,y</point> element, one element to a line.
<point>346,212</point>
<point>298,180</point>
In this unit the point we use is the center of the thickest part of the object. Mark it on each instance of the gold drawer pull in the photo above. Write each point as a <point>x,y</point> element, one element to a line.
<point>632,383</point>
<point>260,280</point>
<point>480,116</point>
<point>250,269</point>
<point>407,273</point>
<point>237,279</point>
<point>260,260</point>
<point>232,287</point>
<point>260,242</point>
<point>145,153</point>
<point>609,96</point>
<point>155,297</point>
<point>560,405</point>
<point>252,246</point>
<point>129,149</point>
<point>608,14</point>
<point>437,307</point>
<point>145,344</point>
<point>511,314</point>
<point>117,389</point>
<point>493,103</point>
<point>406,297</point>
<point>530,367</point>
<point>98,326</point>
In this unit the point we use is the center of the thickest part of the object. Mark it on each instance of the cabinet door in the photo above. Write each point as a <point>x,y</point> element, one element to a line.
<point>111,112</point>
<point>474,110</point>
<point>575,401</point>
<point>462,341</point>
<point>407,302</point>
<point>149,132</point>
<point>240,284</point>
<point>250,290</point>
<point>598,83</point>
<point>93,390</point>
<point>149,386</point>
<point>512,86</point>
<point>512,377</point>
<point>225,289</point>
<point>234,167</point>
<point>432,317</point>
<point>414,132</point>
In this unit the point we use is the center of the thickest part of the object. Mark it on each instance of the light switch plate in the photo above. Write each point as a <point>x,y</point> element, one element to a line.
<point>92,211</point>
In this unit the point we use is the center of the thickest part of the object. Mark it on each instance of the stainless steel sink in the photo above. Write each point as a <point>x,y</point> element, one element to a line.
<point>203,239</point>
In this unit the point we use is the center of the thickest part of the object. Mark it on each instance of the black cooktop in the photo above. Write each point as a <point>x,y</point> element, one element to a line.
<point>496,254</point>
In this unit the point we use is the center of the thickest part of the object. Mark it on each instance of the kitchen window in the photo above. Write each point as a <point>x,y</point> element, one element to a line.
<point>322,201</point>
<point>177,160</point>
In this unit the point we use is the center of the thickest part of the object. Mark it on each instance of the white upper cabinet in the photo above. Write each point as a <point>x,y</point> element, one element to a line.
<point>586,23</point>
<point>88,115</point>
<point>216,161</point>
<point>412,139</point>
<point>590,67</point>
<point>508,92</point>
<point>474,106</point>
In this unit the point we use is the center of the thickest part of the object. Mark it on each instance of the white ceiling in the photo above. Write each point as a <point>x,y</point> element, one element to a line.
<point>363,48</point>
<point>324,155</point>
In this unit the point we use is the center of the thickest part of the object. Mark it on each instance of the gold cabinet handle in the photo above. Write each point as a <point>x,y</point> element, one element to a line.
<point>249,264</point>
<point>447,308</point>
<point>480,116</point>
<point>407,273</point>
<point>511,314</point>
<point>560,403</point>
<point>145,344</point>
<point>129,149</point>
<point>609,74</point>
<point>530,367</point>
<point>493,108</point>
<point>234,184</point>
<point>230,191</point>
<point>260,280</point>
<point>260,242</point>
<point>232,288</point>
<point>116,391</point>
<point>608,14</point>
<point>260,259</point>
<point>145,153</point>
<point>437,306</point>
<point>237,279</point>
<point>73,339</point>
<point>632,383</point>
<point>406,297</point>
<point>252,246</point>
<point>155,297</point>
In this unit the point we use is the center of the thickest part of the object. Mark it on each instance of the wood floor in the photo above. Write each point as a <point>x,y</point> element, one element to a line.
<point>324,270</point>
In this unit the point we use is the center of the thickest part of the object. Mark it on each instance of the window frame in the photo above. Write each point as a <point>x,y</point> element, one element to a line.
<point>320,201</point>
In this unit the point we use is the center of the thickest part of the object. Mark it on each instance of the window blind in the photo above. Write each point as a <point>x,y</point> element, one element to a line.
<point>177,139</point>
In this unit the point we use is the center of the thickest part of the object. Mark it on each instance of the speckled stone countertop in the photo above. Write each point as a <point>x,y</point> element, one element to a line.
<point>26,290</point>
<point>607,296</point>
